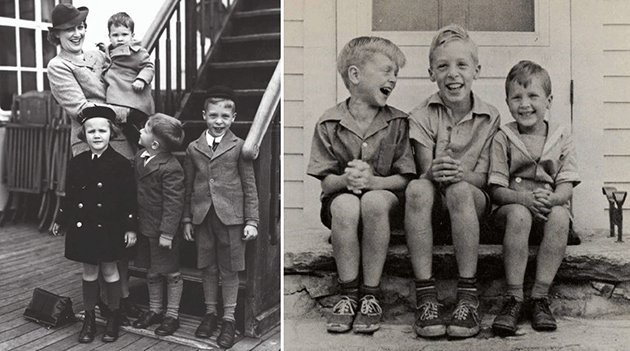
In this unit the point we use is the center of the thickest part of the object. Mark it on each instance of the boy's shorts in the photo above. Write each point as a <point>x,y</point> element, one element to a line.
<point>441,220</point>
<point>396,217</point>
<point>158,259</point>
<point>220,244</point>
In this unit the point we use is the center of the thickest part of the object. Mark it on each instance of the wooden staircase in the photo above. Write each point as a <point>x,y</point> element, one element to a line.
<point>239,42</point>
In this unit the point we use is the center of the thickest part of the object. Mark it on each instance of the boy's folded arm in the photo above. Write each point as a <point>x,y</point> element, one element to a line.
<point>505,196</point>
<point>477,179</point>
<point>333,183</point>
<point>393,182</point>
<point>562,194</point>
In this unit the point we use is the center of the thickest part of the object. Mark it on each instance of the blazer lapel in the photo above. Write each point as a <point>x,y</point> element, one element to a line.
<point>153,165</point>
<point>202,146</point>
<point>228,142</point>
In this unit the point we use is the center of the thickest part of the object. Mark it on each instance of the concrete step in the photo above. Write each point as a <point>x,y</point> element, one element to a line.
<point>593,279</point>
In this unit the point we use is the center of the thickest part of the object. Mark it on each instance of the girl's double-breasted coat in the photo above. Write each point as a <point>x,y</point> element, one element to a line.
<point>99,207</point>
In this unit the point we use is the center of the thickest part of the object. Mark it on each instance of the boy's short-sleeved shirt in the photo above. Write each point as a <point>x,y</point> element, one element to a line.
<point>431,125</point>
<point>337,141</point>
<point>510,158</point>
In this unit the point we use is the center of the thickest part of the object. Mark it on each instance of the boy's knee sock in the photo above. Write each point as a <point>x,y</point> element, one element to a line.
<point>210,283</point>
<point>229,291</point>
<point>467,289</point>
<point>350,289</point>
<point>516,291</point>
<point>156,292</point>
<point>174,288</point>
<point>540,290</point>
<point>114,291</point>
<point>425,290</point>
<point>90,294</point>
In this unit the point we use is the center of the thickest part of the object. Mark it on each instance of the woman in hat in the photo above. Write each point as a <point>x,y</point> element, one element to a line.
<point>75,75</point>
<point>99,211</point>
<point>76,83</point>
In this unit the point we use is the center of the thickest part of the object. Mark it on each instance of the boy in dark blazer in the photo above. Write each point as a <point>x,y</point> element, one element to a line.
<point>221,202</point>
<point>160,179</point>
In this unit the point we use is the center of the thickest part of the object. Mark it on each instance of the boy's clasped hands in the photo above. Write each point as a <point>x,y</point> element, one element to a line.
<point>539,203</point>
<point>446,170</point>
<point>359,176</point>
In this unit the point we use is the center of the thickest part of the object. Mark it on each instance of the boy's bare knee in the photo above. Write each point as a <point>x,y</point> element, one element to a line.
<point>459,197</point>
<point>346,209</point>
<point>559,218</point>
<point>377,204</point>
<point>419,192</point>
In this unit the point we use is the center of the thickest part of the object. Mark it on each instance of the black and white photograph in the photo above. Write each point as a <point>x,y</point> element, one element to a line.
<point>140,190</point>
<point>507,231</point>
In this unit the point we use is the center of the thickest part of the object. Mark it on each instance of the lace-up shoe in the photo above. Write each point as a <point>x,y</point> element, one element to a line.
<point>464,319</point>
<point>342,316</point>
<point>542,318</point>
<point>505,323</point>
<point>430,321</point>
<point>369,317</point>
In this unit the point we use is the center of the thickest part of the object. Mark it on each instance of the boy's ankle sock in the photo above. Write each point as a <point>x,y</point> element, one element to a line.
<point>174,288</point>
<point>370,290</point>
<point>90,294</point>
<point>156,292</point>
<point>228,312</point>
<point>114,291</point>
<point>425,290</point>
<point>516,291</point>
<point>467,289</point>
<point>540,290</point>
<point>350,289</point>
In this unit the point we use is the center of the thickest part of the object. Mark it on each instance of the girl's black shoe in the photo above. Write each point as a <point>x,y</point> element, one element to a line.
<point>89,327</point>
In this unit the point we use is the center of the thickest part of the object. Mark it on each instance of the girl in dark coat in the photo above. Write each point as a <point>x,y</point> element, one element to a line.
<point>99,212</point>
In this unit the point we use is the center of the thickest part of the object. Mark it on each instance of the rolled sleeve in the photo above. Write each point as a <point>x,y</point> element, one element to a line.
<point>499,169</point>
<point>322,161</point>
<point>569,170</point>
<point>420,129</point>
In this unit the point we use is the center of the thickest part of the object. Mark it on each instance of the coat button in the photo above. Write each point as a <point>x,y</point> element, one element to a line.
<point>79,224</point>
<point>99,226</point>
<point>211,180</point>
<point>518,179</point>
<point>80,205</point>
<point>99,184</point>
<point>99,205</point>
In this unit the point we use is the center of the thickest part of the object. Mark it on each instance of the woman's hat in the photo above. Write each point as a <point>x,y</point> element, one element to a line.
<point>66,16</point>
<point>96,111</point>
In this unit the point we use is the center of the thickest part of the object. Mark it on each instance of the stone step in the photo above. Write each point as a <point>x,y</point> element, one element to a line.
<point>593,279</point>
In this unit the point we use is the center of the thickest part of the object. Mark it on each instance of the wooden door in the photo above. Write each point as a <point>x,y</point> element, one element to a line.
<point>547,43</point>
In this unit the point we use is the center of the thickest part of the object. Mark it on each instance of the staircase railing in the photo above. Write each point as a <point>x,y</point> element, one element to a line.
<point>203,24</point>
<point>264,115</point>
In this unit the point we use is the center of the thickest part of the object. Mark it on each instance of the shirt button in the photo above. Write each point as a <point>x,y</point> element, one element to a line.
<point>100,185</point>
<point>518,179</point>
<point>365,145</point>
<point>80,205</point>
<point>99,225</point>
<point>211,180</point>
<point>79,224</point>
<point>99,205</point>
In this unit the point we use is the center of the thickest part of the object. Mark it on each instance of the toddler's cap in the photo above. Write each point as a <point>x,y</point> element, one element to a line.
<point>97,111</point>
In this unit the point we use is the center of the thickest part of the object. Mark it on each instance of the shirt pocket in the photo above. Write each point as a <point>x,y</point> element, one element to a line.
<point>385,160</point>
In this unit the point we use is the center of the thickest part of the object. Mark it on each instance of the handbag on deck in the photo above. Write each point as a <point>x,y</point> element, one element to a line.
<point>49,309</point>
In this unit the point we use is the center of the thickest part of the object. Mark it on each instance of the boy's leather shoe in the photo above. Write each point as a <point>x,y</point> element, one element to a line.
<point>131,309</point>
<point>112,328</point>
<point>148,319</point>
<point>506,322</point>
<point>168,327</point>
<point>207,326</point>
<point>89,327</point>
<point>226,337</point>
<point>542,318</point>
